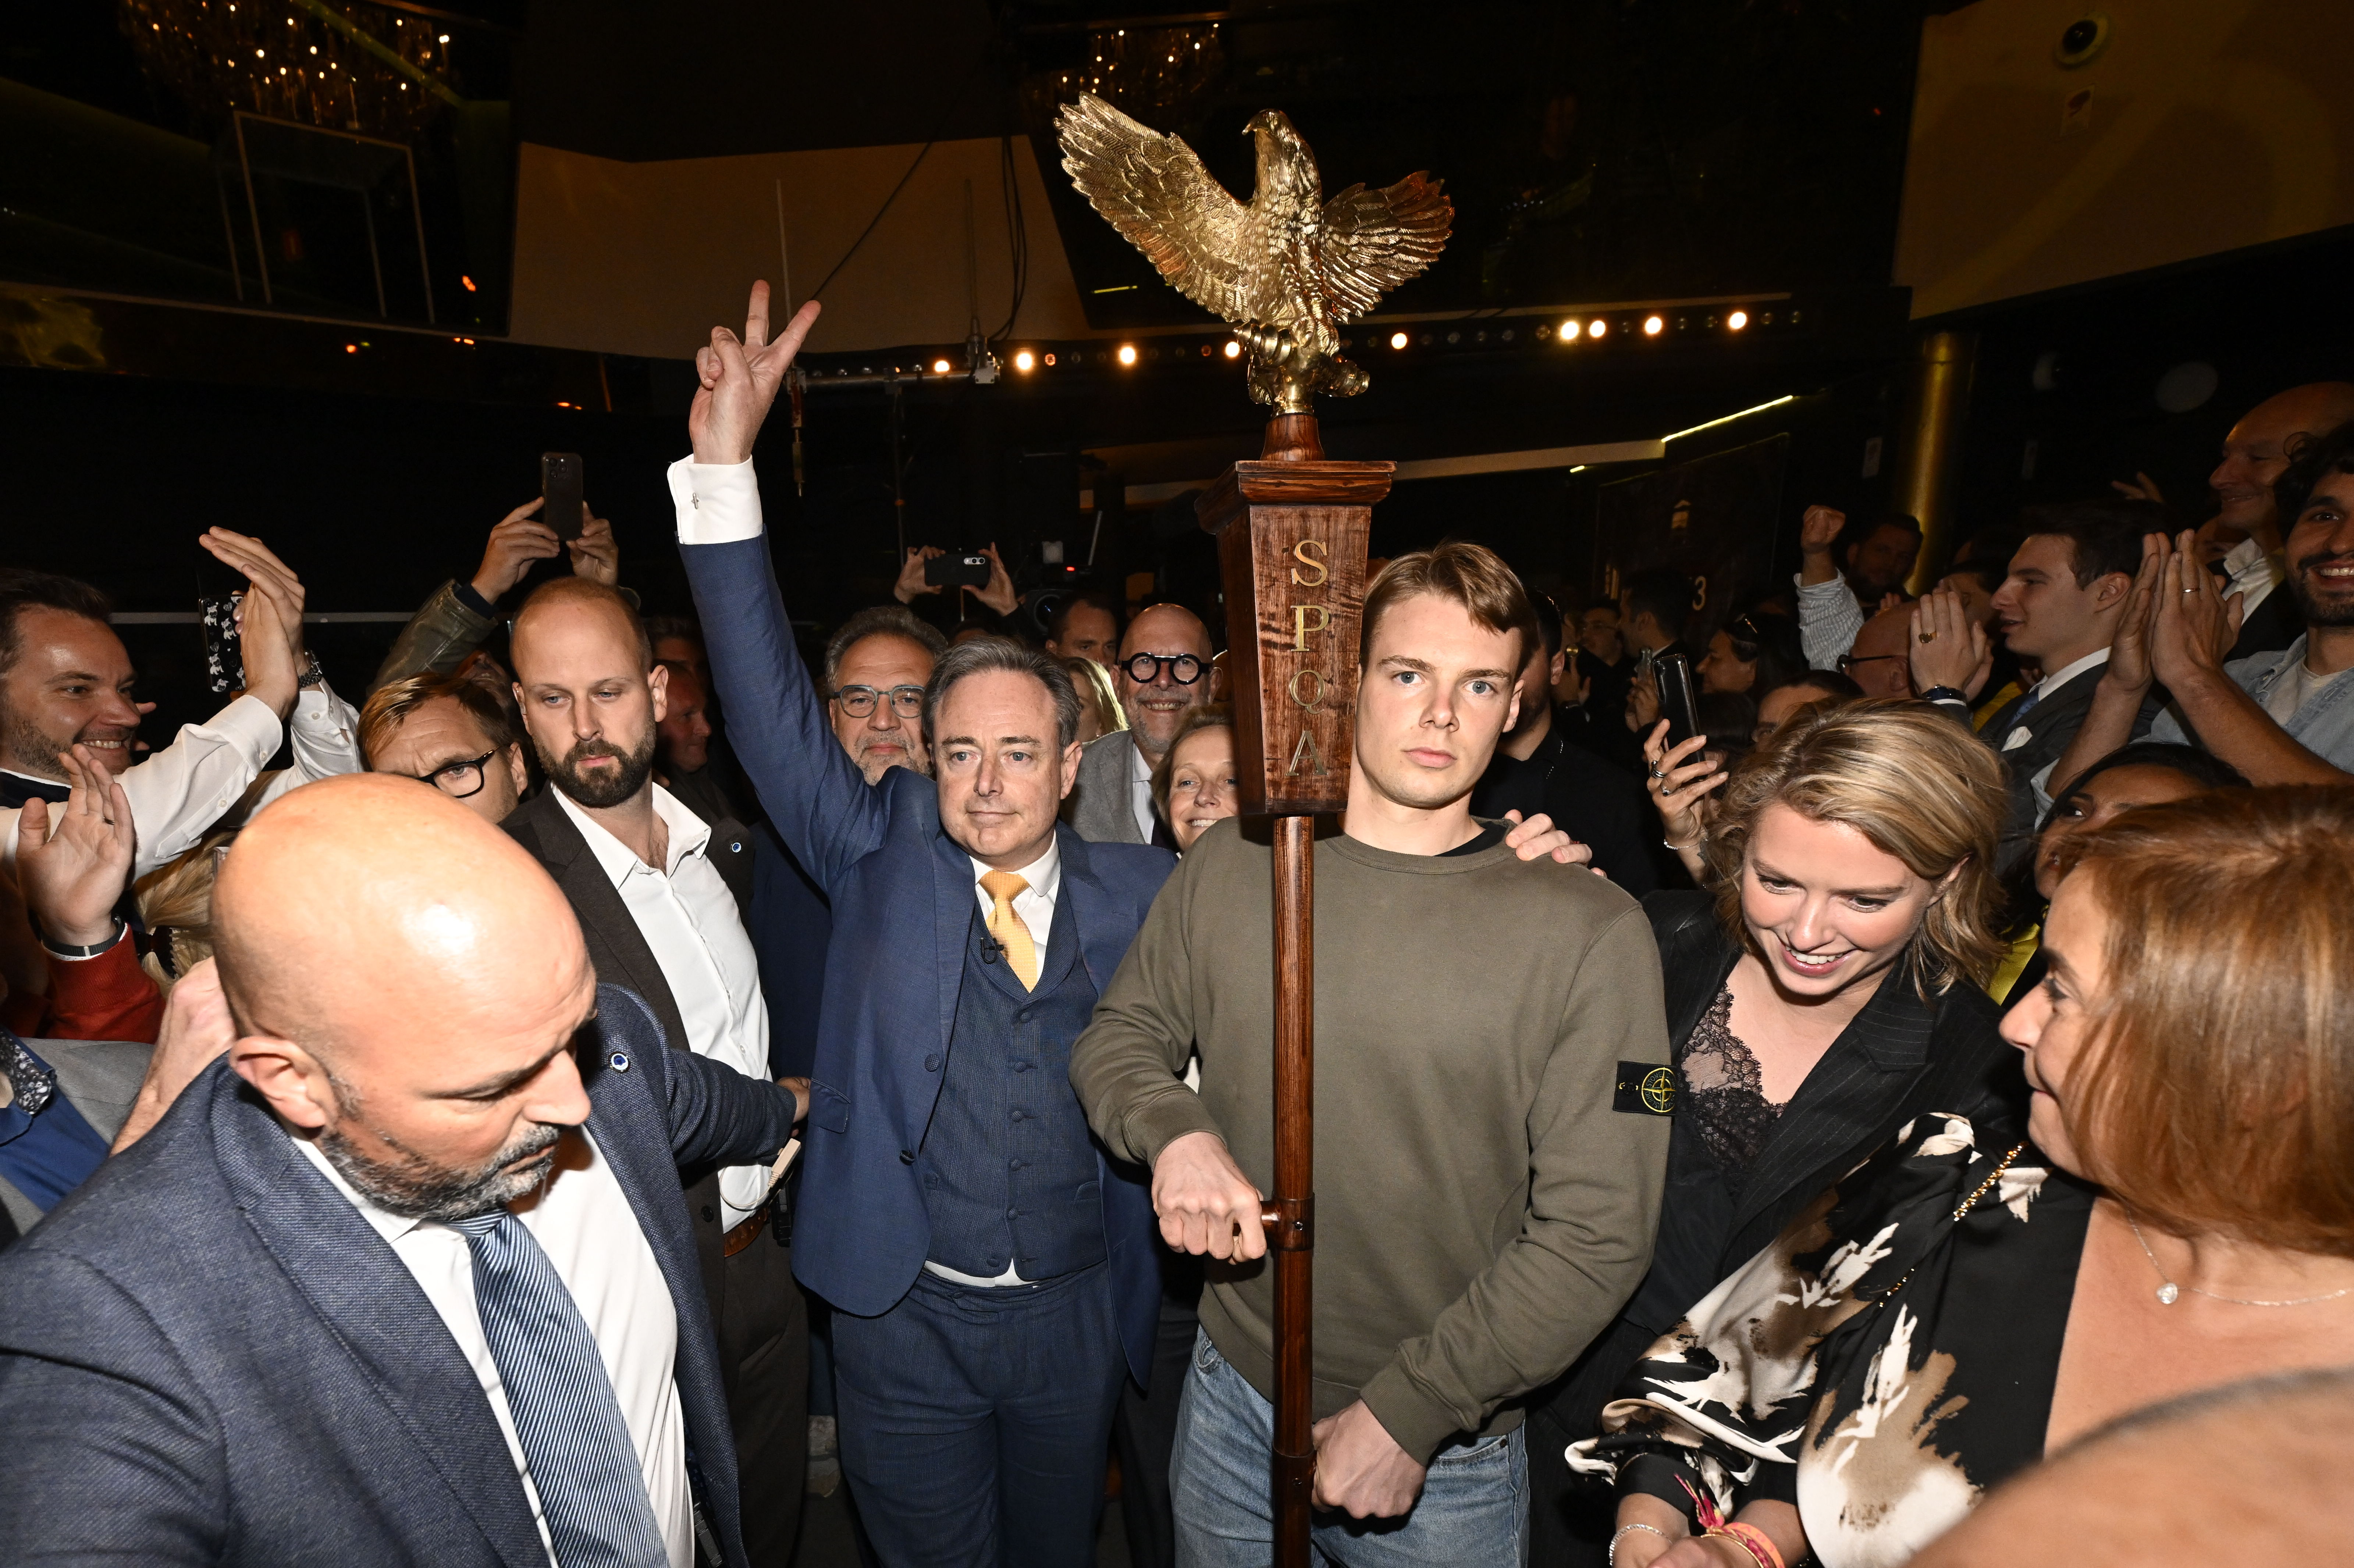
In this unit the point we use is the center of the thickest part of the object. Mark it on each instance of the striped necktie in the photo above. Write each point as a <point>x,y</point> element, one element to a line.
<point>592,1494</point>
<point>1012,933</point>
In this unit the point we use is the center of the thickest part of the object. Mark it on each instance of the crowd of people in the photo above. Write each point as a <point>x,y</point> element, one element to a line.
<point>621,1069</point>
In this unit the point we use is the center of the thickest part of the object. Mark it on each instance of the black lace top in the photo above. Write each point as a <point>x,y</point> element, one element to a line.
<point>1722,1097</point>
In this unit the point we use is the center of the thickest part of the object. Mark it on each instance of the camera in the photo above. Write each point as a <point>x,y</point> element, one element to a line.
<point>2082,41</point>
<point>967,569</point>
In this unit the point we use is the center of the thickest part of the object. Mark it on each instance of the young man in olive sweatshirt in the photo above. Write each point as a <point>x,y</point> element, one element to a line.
<point>1487,1186</point>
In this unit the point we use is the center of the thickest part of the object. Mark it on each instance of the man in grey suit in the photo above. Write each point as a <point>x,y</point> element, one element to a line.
<point>1163,669</point>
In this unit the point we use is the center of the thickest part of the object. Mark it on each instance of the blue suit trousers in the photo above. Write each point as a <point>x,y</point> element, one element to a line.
<point>975,1421</point>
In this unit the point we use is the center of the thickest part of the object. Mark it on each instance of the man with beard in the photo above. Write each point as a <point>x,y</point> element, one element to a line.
<point>661,896</point>
<point>1163,669</point>
<point>65,680</point>
<point>876,667</point>
<point>405,1276</point>
<point>2285,717</point>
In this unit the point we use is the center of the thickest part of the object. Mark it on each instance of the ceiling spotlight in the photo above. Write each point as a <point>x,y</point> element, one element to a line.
<point>1024,360</point>
<point>1397,340</point>
<point>939,368</point>
<point>1050,359</point>
<point>1569,332</point>
<point>1128,354</point>
<point>1233,350</point>
<point>1597,328</point>
<point>1737,320</point>
<point>467,281</point>
<point>1653,326</point>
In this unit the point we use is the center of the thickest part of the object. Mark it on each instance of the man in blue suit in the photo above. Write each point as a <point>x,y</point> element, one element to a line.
<point>406,1276</point>
<point>990,1269</point>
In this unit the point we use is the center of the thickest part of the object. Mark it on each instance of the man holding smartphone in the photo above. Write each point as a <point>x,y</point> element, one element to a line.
<point>65,680</point>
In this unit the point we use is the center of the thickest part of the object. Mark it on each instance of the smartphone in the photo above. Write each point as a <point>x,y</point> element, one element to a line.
<point>560,488</point>
<point>957,571</point>
<point>1677,702</point>
<point>218,592</point>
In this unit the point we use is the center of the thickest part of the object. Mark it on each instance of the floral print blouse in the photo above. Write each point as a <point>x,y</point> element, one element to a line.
<point>1886,1361</point>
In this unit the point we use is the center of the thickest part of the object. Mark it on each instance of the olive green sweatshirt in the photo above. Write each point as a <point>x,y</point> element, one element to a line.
<point>1485,1195</point>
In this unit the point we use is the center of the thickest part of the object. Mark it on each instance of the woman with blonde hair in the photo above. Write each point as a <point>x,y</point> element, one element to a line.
<point>1822,992</point>
<point>2178,1216</point>
<point>1099,709</point>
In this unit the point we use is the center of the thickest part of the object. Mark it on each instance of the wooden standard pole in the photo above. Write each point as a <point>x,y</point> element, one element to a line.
<point>1290,1217</point>
<point>1292,531</point>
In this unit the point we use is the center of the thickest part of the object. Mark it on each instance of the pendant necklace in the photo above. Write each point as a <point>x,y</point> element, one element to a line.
<point>2168,1293</point>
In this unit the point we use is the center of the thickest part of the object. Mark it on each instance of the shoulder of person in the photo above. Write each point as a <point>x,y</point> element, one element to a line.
<point>1112,745</point>
<point>1143,867</point>
<point>108,1071</point>
<point>1684,921</point>
<point>1565,891</point>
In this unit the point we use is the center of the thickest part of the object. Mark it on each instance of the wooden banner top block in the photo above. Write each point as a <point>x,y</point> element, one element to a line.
<point>1291,550</point>
<point>1316,483</point>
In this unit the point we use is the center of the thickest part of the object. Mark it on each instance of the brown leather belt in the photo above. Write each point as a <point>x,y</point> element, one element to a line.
<point>743,1236</point>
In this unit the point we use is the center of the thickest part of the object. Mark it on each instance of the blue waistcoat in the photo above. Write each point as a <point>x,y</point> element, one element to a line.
<point>1009,1172</point>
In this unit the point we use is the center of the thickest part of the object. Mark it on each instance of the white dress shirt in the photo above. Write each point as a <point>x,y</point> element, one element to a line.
<point>718,504</point>
<point>583,1222</point>
<point>1034,904</point>
<point>2252,572</point>
<point>2020,734</point>
<point>690,919</point>
<point>180,792</point>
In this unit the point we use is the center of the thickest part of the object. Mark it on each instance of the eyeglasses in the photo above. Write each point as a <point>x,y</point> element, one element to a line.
<point>458,780</point>
<point>1848,661</point>
<point>858,701</point>
<point>1184,668</point>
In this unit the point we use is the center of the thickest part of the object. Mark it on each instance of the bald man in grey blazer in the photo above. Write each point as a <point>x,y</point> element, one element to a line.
<point>1111,801</point>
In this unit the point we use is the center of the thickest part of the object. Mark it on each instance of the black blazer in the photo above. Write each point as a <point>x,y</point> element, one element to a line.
<point>618,953</point>
<point>1902,1057</point>
<point>2051,724</point>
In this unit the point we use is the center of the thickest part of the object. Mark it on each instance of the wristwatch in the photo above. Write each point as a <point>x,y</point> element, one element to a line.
<point>1947,695</point>
<point>311,675</point>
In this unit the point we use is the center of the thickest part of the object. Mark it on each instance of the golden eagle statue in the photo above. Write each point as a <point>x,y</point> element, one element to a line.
<point>1286,267</point>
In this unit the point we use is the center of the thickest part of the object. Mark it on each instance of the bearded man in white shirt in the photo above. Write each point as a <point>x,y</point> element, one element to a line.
<point>662,898</point>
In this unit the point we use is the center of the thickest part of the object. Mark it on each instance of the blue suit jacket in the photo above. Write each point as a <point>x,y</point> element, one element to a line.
<point>903,906</point>
<point>207,1355</point>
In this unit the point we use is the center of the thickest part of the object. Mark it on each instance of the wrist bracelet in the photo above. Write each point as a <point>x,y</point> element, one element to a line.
<point>1947,695</point>
<point>1623,1528</point>
<point>69,950</point>
<point>1754,1541</point>
<point>1691,848</point>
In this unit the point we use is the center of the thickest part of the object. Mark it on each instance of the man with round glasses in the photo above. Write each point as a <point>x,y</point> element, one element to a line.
<point>451,732</point>
<point>1162,670</point>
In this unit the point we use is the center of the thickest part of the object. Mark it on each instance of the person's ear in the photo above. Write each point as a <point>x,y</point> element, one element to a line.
<point>286,1075</point>
<point>2110,590</point>
<point>658,682</point>
<point>1071,754</point>
<point>518,769</point>
<point>1557,666</point>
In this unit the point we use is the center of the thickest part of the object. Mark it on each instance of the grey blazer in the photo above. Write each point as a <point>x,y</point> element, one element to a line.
<point>1098,808</point>
<point>100,1078</point>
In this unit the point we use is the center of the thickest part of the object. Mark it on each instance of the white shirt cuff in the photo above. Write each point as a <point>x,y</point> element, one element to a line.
<point>250,724</point>
<point>718,504</point>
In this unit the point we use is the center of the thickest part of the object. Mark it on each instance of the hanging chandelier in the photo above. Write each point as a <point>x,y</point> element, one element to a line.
<point>341,66</point>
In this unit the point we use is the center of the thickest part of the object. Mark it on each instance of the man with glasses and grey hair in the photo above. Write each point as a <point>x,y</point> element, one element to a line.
<point>1163,669</point>
<point>876,668</point>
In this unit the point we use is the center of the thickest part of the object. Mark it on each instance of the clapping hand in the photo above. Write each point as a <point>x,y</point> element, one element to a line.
<point>740,379</point>
<point>269,617</point>
<point>2128,666</point>
<point>72,876</point>
<point>1819,530</point>
<point>2192,625</point>
<point>1948,648</point>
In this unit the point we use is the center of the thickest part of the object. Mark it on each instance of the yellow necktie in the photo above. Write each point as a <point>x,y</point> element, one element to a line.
<point>1021,951</point>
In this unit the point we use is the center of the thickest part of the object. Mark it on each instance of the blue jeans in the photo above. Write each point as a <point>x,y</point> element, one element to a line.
<point>1473,1513</point>
<point>975,1421</point>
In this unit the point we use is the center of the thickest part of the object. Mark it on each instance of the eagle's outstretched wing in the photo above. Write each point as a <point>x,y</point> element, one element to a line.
<point>1210,248</point>
<point>1376,240</point>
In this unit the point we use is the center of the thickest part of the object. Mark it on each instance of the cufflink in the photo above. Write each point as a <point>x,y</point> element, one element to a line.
<point>618,1060</point>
